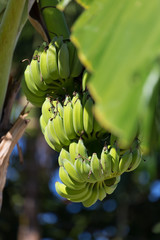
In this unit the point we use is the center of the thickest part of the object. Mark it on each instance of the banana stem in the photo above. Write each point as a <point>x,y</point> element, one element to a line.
<point>9,32</point>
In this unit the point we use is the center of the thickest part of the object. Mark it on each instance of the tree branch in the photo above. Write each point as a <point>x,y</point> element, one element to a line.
<point>7,143</point>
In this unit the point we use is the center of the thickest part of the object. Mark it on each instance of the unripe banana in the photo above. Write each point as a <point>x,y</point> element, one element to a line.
<point>71,49</point>
<point>68,181</point>
<point>79,167</point>
<point>76,66</point>
<point>118,178</point>
<point>31,84</point>
<point>51,137</point>
<point>47,110</point>
<point>81,150</point>
<point>106,162</point>
<point>35,69</point>
<point>72,151</point>
<point>102,192</point>
<point>42,124</point>
<point>125,162</point>
<point>109,189</point>
<point>85,79</point>
<point>85,96</point>
<point>36,76</point>
<point>59,129</point>
<point>58,108</point>
<point>35,100</point>
<point>63,61</point>
<point>94,196</point>
<point>75,97</point>
<point>71,194</point>
<point>64,154</point>
<point>52,61</point>
<point>136,159</point>
<point>110,181</point>
<point>53,18</point>
<point>70,168</point>
<point>88,116</point>
<point>89,176</point>
<point>78,117</point>
<point>114,153</point>
<point>68,119</point>
<point>96,167</point>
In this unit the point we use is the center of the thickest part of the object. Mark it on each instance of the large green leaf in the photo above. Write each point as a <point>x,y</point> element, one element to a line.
<point>118,41</point>
<point>85,3</point>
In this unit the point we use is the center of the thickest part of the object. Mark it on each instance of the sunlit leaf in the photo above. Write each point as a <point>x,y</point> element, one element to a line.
<point>118,41</point>
<point>85,3</point>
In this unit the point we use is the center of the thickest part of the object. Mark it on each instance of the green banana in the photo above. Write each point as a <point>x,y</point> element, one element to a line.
<point>77,67</point>
<point>59,129</point>
<point>106,162</point>
<point>35,100</point>
<point>63,61</point>
<point>118,178</point>
<point>47,109</point>
<point>136,159</point>
<point>68,181</point>
<point>64,154</point>
<point>114,153</point>
<point>54,19</point>
<point>102,192</point>
<point>109,189</point>
<point>79,167</point>
<point>78,117</point>
<point>88,116</point>
<point>68,119</point>
<point>70,168</point>
<point>42,124</point>
<point>48,139</point>
<point>43,68</point>
<point>125,161</point>
<point>96,167</point>
<point>37,78</point>
<point>94,196</point>
<point>31,84</point>
<point>50,136</point>
<point>58,108</point>
<point>71,49</point>
<point>52,61</point>
<point>85,79</point>
<point>87,172</point>
<point>72,194</point>
<point>72,151</point>
<point>81,150</point>
<point>35,69</point>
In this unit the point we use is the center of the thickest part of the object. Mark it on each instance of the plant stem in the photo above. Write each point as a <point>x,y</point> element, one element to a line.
<point>9,29</point>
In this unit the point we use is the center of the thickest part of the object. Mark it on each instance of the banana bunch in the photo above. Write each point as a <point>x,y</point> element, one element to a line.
<point>59,61</point>
<point>88,178</point>
<point>63,123</point>
<point>90,161</point>
<point>51,71</point>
